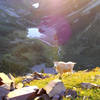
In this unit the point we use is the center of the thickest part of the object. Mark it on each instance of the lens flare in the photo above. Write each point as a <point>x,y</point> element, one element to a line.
<point>56,29</point>
<point>36,5</point>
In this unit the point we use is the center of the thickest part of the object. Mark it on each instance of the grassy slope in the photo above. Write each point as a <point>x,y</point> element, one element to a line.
<point>73,82</point>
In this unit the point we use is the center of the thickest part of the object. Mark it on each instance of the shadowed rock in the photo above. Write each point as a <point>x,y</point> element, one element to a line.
<point>1,83</point>
<point>34,76</point>
<point>3,92</point>
<point>55,87</point>
<point>71,93</point>
<point>33,95</point>
<point>21,94</point>
<point>41,92</point>
<point>56,97</point>
<point>89,85</point>
<point>43,97</point>
<point>39,95</point>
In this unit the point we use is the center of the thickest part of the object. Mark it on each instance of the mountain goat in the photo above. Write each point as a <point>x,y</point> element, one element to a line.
<point>62,67</point>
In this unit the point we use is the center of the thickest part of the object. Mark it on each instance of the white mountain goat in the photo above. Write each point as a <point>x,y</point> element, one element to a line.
<point>63,67</point>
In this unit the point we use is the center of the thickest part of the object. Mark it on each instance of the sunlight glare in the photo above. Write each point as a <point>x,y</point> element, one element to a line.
<point>36,5</point>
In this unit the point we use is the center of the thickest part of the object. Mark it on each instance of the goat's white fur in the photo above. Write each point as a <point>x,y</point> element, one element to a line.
<point>62,67</point>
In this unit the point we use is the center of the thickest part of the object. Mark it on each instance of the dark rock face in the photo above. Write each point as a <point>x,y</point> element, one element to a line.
<point>1,83</point>
<point>39,95</point>
<point>41,92</point>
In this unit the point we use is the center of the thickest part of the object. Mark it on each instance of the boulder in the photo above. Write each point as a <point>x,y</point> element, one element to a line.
<point>45,97</point>
<point>12,86</point>
<point>56,97</point>
<point>3,92</point>
<point>21,94</point>
<point>39,95</point>
<point>71,93</point>
<point>0,98</point>
<point>63,93</point>
<point>37,75</point>
<point>41,92</point>
<point>59,96</point>
<point>33,95</point>
<point>55,87</point>
<point>27,80</point>
<point>34,76</point>
<point>89,85</point>
<point>6,80</point>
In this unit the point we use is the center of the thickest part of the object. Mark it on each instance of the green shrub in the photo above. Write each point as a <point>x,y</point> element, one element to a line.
<point>8,65</point>
<point>24,56</point>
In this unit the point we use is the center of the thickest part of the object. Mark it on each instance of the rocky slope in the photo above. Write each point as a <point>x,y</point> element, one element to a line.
<point>78,86</point>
